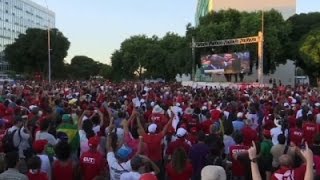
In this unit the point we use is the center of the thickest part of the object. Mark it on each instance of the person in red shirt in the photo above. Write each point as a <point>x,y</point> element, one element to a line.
<point>179,168</point>
<point>286,171</point>
<point>238,168</point>
<point>249,134</point>
<point>63,167</point>
<point>154,140</point>
<point>34,165</point>
<point>296,134</point>
<point>158,117</point>
<point>309,130</point>
<point>181,142</point>
<point>92,163</point>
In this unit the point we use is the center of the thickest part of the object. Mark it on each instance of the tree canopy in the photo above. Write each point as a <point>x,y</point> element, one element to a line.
<point>29,53</point>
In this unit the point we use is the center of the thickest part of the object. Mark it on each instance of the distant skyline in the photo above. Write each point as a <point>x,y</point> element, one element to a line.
<point>97,28</point>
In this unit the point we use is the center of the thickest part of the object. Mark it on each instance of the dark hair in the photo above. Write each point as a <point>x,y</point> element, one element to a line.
<point>179,160</point>
<point>44,125</point>
<point>201,136</point>
<point>62,150</point>
<point>316,139</point>
<point>136,163</point>
<point>12,159</point>
<point>95,119</point>
<point>87,128</point>
<point>281,138</point>
<point>238,138</point>
<point>299,123</point>
<point>34,163</point>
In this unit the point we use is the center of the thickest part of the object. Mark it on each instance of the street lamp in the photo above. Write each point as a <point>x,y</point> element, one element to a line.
<point>49,46</point>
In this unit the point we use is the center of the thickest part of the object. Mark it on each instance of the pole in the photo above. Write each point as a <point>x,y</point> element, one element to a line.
<point>49,46</point>
<point>260,58</point>
<point>193,58</point>
<point>260,50</point>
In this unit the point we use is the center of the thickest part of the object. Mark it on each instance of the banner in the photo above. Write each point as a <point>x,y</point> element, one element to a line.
<point>228,63</point>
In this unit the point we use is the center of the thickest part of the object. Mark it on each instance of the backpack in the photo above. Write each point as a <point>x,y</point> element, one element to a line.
<point>7,141</point>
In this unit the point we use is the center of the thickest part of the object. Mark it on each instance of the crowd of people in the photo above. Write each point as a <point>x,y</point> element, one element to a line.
<point>133,130</point>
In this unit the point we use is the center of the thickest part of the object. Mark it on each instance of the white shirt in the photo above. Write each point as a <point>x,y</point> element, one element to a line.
<point>114,167</point>
<point>45,164</point>
<point>275,133</point>
<point>130,176</point>
<point>46,136</point>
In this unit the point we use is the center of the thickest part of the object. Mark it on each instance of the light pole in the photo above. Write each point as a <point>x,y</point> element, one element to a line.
<point>49,46</point>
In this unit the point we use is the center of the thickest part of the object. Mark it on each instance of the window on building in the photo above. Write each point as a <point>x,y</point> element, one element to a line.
<point>7,20</point>
<point>7,11</point>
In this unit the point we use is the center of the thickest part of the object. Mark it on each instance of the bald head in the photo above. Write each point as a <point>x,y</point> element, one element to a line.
<point>285,160</point>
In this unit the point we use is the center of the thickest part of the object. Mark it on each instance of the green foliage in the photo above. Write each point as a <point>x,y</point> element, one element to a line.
<point>83,67</point>
<point>302,25</point>
<point>310,51</point>
<point>29,53</point>
<point>151,57</point>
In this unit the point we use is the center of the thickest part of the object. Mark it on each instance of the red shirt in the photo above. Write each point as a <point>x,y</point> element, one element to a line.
<point>286,173</point>
<point>184,175</point>
<point>309,131</point>
<point>238,169</point>
<point>173,146</point>
<point>158,119</point>
<point>153,142</point>
<point>249,135</point>
<point>62,171</point>
<point>206,126</point>
<point>92,164</point>
<point>296,136</point>
<point>37,176</point>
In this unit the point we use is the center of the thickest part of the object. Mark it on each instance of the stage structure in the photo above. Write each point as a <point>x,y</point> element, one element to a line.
<point>228,42</point>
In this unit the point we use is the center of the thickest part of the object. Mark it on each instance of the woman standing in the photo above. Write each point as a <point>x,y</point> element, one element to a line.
<point>179,167</point>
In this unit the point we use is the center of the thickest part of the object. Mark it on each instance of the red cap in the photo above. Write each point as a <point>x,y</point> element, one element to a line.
<point>148,176</point>
<point>94,142</point>
<point>39,145</point>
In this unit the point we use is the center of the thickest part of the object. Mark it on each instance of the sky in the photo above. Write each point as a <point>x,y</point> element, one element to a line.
<point>96,28</point>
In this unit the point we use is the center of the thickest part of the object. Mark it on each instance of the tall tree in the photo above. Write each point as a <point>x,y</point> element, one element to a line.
<point>310,52</point>
<point>29,53</point>
<point>83,67</point>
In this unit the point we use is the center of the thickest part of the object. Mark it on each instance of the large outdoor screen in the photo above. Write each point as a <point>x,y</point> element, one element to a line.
<point>228,63</point>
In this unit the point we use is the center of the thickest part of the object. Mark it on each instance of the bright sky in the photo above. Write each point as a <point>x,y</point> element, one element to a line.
<point>96,28</point>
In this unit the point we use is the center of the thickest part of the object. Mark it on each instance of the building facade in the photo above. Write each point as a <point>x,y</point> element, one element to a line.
<point>286,7</point>
<point>203,8</point>
<point>16,16</point>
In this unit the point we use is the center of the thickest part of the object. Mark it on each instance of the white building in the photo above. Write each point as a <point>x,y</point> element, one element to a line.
<point>16,16</point>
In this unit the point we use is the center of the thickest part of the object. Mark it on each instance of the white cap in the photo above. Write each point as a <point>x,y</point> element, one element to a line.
<point>181,132</point>
<point>317,104</point>
<point>204,108</point>
<point>152,104</point>
<point>286,104</point>
<point>213,173</point>
<point>152,128</point>
<point>178,104</point>
<point>240,115</point>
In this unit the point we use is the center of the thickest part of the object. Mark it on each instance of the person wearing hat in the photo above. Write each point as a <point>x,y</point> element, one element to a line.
<point>154,140</point>
<point>71,130</point>
<point>181,142</point>
<point>92,163</point>
<point>213,173</point>
<point>238,124</point>
<point>39,147</point>
<point>157,117</point>
<point>118,160</point>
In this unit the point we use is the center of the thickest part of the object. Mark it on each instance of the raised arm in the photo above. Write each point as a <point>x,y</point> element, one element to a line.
<point>253,158</point>
<point>109,139</point>
<point>169,123</point>
<point>141,129</point>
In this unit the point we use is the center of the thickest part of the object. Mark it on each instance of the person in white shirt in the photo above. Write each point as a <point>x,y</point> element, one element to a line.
<point>43,133</point>
<point>39,147</point>
<point>276,131</point>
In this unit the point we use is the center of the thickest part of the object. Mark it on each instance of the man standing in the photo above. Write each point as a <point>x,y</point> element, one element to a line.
<point>92,163</point>
<point>12,159</point>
